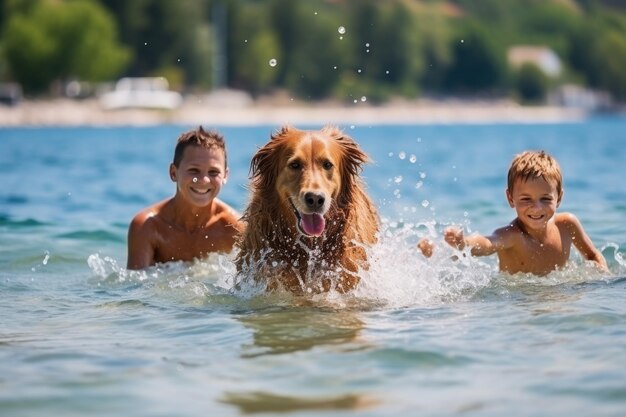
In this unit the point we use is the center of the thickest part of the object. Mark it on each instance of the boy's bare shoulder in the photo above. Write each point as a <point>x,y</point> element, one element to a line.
<point>146,219</point>
<point>568,221</point>
<point>508,235</point>
<point>566,218</point>
<point>228,214</point>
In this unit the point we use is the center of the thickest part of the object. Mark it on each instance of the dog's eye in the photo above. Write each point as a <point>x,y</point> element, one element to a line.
<point>295,165</point>
<point>327,165</point>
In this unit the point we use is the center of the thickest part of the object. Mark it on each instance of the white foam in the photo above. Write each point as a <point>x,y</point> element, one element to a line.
<point>398,275</point>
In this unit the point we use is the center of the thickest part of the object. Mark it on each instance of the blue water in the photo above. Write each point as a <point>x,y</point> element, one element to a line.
<point>80,335</point>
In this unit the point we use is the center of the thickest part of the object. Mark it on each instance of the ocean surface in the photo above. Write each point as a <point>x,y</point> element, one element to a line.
<point>80,335</point>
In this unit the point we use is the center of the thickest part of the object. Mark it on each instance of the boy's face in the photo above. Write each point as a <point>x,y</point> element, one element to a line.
<point>200,174</point>
<point>534,200</point>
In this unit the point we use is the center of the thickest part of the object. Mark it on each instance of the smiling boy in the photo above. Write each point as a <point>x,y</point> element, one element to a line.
<point>538,240</point>
<point>194,222</point>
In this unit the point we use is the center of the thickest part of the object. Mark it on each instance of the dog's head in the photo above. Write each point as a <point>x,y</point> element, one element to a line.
<point>306,172</point>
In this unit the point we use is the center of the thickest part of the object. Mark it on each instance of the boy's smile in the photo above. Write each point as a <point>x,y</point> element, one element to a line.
<point>200,175</point>
<point>535,200</point>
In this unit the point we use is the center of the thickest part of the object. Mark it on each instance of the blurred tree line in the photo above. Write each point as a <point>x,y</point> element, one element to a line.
<point>315,49</point>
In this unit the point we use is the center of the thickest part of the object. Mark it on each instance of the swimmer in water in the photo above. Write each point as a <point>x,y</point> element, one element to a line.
<point>194,222</point>
<point>538,240</point>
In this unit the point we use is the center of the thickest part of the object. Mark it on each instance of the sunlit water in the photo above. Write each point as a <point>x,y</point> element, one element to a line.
<point>80,335</point>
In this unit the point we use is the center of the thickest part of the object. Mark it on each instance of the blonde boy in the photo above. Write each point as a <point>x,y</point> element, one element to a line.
<point>194,222</point>
<point>539,239</point>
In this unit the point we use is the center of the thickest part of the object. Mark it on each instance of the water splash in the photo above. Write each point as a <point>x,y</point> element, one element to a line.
<point>398,276</point>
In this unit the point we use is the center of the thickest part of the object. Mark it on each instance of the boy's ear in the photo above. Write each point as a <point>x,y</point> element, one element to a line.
<point>509,197</point>
<point>226,172</point>
<point>173,172</point>
<point>559,199</point>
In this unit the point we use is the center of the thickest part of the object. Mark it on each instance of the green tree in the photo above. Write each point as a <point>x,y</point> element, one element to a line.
<point>253,43</point>
<point>610,56</point>
<point>62,40</point>
<point>478,64</point>
<point>310,45</point>
<point>166,36</point>
<point>385,50</point>
<point>260,63</point>
<point>531,84</point>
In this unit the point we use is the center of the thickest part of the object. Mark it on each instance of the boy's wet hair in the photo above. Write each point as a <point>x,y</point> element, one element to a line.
<point>199,137</point>
<point>535,164</point>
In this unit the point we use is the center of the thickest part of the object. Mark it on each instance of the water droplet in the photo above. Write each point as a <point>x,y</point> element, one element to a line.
<point>273,62</point>
<point>364,99</point>
<point>352,126</point>
<point>425,203</point>
<point>462,41</point>
<point>355,101</point>
<point>359,70</point>
<point>145,43</point>
<point>419,184</point>
<point>245,41</point>
<point>413,159</point>
<point>274,264</point>
<point>195,179</point>
<point>341,30</point>
<point>46,258</point>
<point>390,154</point>
<point>335,67</point>
<point>422,175</point>
<point>402,155</point>
<point>398,179</point>
<point>387,72</point>
<point>419,140</point>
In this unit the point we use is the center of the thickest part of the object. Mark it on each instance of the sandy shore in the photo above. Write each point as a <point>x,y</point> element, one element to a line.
<point>195,111</point>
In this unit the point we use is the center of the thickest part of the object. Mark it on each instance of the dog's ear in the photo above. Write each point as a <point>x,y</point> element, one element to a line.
<point>353,157</point>
<point>352,160</point>
<point>264,164</point>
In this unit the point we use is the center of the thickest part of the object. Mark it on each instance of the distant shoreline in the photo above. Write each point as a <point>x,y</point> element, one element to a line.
<point>68,112</point>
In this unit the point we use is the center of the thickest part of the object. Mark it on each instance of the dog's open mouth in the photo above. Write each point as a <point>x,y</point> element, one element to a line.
<point>309,224</point>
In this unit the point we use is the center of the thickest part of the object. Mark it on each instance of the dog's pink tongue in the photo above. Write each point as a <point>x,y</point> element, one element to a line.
<point>312,224</point>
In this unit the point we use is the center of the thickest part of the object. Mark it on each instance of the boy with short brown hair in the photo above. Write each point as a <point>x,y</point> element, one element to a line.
<point>194,222</point>
<point>538,240</point>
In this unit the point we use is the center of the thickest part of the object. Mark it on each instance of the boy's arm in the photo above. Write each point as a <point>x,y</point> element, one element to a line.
<point>583,242</point>
<point>479,245</point>
<point>140,248</point>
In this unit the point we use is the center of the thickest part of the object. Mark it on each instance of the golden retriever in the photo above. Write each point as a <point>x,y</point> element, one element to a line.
<point>309,219</point>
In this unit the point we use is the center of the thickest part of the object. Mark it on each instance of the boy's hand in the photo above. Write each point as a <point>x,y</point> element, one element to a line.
<point>454,237</point>
<point>426,246</point>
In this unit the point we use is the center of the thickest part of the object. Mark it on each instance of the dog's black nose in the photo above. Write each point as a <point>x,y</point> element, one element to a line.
<point>314,200</point>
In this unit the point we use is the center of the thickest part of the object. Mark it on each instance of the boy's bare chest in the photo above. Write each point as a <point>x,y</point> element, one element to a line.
<point>179,245</point>
<point>537,257</point>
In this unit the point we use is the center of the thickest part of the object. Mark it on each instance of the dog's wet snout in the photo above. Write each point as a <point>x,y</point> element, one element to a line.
<point>314,201</point>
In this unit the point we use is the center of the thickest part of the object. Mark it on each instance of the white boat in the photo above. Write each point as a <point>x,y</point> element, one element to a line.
<point>141,92</point>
